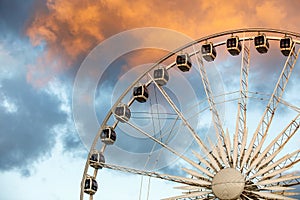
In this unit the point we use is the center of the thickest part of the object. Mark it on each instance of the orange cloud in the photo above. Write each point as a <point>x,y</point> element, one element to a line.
<point>70,29</point>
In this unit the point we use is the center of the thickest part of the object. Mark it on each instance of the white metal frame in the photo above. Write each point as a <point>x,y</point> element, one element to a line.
<point>223,154</point>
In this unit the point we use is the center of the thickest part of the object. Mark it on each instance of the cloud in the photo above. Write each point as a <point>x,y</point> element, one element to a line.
<point>27,135</point>
<point>69,30</point>
<point>13,15</point>
<point>28,115</point>
<point>267,11</point>
<point>63,34</point>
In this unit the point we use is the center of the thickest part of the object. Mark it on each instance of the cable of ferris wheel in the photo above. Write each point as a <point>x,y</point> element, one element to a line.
<point>282,101</point>
<point>156,161</point>
<point>295,108</point>
<point>151,152</point>
<point>221,102</point>
<point>153,147</point>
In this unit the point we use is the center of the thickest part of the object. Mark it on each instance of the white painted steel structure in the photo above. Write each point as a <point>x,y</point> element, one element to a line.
<point>258,172</point>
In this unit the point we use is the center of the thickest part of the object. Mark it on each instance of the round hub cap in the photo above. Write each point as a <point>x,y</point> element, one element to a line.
<point>228,184</point>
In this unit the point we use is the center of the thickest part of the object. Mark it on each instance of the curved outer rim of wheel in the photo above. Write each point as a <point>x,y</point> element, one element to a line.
<point>295,36</point>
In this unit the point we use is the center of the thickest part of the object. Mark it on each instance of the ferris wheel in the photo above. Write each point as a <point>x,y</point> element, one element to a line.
<point>238,143</point>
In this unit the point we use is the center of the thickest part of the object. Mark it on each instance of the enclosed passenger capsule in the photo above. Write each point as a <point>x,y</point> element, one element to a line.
<point>108,135</point>
<point>261,43</point>
<point>122,113</point>
<point>234,46</point>
<point>161,76</point>
<point>141,93</point>
<point>95,159</point>
<point>90,185</point>
<point>183,62</point>
<point>208,52</point>
<point>286,45</point>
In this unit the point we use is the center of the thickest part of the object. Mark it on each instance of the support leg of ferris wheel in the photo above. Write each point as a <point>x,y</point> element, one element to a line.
<point>261,132</point>
<point>241,125</point>
<point>215,114</point>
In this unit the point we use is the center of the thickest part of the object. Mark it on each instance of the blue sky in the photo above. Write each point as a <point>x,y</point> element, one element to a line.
<point>41,50</point>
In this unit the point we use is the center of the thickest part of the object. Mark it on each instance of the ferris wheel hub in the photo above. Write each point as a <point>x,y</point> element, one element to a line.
<point>228,184</point>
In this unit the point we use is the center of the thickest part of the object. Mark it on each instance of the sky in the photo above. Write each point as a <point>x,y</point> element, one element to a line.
<point>43,46</point>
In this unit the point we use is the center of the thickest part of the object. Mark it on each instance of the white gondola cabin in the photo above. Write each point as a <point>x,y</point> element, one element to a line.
<point>95,159</point>
<point>108,135</point>
<point>141,93</point>
<point>208,52</point>
<point>161,76</point>
<point>122,113</point>
<point>261,43</point>
<point>183,62</point>
<point>90,185</point>
<point>233,45</point>
<point>286,45</point>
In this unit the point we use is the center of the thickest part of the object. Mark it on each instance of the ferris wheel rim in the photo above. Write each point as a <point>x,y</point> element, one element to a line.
<point>203,39</point>
<point>198,41</point>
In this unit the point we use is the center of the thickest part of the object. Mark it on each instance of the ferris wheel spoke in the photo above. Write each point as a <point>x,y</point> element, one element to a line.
<point>277,180</point>
<point>244,196</point>
<point>278,174</point>
<point>291,182</point>
<point>295,108</point>
<point>215,153</point>
<point>246,155</point>
<point>273,188</point>
<point>275,173</point>
<point>202,169</point>
<point>266,120</point>
<point>241,122</point>
<point>196,174</point>
<point>243,149</point>
<point>278,143</point>
<point>221,149</point>
<point>287,193</point>
<point>267,195</point>
<point>166,142</point>
<point>203,147</point>
<point>273,170</point>
<point>186,187</point>
<point>177,179</point>
<point>267,169</point>
<point>215,115</point>
<point>228,146</point>
<point>189,195</point>
<point>288,162</point>
<point>213,164</point>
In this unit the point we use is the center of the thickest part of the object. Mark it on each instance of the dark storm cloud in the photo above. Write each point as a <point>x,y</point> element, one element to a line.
<point>27,135</point>
<point>13,15</point>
